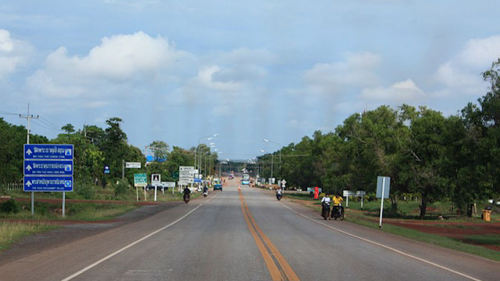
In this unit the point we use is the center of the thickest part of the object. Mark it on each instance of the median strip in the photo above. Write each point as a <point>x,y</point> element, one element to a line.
<point>278,267</point>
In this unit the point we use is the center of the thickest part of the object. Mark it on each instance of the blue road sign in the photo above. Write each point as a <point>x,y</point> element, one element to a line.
<point>106,169</point>
<point>48,151</point>
<point>44,167</point>
<point>48,183</point>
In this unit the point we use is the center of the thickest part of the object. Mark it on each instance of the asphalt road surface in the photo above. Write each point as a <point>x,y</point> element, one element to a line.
<point>246,234</point>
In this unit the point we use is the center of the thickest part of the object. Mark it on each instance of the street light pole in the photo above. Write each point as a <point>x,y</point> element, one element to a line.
<point>266,140</point>
<point>199,142</point>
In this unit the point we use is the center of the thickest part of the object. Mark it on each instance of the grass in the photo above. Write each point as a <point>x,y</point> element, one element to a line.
<point>13,232</point>
<point>488,239</point>
<point>366,219</point>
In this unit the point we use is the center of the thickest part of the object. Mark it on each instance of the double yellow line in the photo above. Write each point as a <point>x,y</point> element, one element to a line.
<point>275,262</point>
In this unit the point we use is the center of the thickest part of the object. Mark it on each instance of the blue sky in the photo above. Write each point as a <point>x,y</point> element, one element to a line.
<point>177,71</point>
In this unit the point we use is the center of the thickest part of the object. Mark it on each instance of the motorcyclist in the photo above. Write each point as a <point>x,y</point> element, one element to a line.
<point>279,194</point>
<point>325,203</point>
<point>187,193</point>
<point>337,205</point>
<point>205,190</point>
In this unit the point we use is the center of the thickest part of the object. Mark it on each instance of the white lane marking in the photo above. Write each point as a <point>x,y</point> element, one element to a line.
<point>133,243</point>
<point>384,246</point>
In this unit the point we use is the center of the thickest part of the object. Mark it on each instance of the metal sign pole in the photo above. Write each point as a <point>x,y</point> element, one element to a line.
<point>63,203</point>
<point>382,202</point>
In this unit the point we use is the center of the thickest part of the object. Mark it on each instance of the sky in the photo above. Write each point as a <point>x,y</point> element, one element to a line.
<point>180,71</point>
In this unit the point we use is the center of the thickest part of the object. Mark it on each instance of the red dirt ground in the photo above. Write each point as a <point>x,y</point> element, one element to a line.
<point>445,228</point>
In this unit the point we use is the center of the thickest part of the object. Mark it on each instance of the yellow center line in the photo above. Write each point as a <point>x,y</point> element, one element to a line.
<point>272,267</point>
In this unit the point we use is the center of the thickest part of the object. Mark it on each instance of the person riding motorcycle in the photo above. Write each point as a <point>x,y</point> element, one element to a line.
<point>337,209</point>
<point>279,194</point>
<point>187,193</point>
<point>325,203</point>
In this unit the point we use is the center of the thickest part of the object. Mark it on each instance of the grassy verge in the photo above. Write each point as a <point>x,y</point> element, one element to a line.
<point>13,232</point>
<point>454,244</point>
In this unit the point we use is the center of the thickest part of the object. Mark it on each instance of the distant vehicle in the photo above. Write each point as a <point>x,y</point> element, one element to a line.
<point>231,176</point>
<point>152,187</point>
<point>246,179</point>
<point>217,184</point>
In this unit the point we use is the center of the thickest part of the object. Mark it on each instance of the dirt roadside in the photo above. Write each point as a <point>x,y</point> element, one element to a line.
<point>445,228</point>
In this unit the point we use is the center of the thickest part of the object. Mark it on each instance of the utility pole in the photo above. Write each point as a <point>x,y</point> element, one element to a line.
<point>28,117</point>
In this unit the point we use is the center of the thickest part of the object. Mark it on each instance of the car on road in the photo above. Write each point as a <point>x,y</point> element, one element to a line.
<point>217,184</point>
<point>152,187</point>
<point>245,179</point>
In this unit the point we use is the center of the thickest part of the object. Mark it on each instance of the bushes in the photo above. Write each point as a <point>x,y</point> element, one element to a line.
<point>86,191</point>
<point>121,188</point>
<point>10,206</point>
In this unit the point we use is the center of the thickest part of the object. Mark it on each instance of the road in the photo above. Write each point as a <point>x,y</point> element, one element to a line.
<point>246,234</point>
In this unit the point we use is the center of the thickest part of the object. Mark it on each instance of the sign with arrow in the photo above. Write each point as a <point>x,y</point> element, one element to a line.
<point>48,183</point>
<point>48,167</point>
<point>48,151</point>
<point>43,167</point>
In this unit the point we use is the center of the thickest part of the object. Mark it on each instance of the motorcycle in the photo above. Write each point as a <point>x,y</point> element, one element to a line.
<point>186,198</point>
<point>205,193</point>
<point>338,213</point>
<point>278,196</point>
<point>325,211</point>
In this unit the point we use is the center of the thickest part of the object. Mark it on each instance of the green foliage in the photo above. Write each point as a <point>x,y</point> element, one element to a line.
<point>10,206</point>
<point>85,190</point>
<point>121,188</point>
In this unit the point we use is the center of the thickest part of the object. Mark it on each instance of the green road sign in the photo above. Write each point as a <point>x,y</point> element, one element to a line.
<point>140,180</point>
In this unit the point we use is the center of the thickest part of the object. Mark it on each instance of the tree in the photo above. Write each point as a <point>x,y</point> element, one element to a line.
<point>68,128</point>
<point>160,150</point>
<point>426,154</point>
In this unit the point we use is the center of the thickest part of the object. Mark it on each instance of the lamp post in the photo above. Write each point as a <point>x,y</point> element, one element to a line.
<point>199,141</point>
<point>266,140</point>
<point>272,162</point>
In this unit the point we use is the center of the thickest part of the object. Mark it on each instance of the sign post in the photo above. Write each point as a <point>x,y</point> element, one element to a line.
<point>48,168</point>
<point>140,180</point>
<point>155,180</point>
<point>383,187</point>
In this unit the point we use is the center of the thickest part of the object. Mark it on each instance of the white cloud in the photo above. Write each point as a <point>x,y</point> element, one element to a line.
<point>206,80</point>
<point>13,53</point>
<point>401,92</point>
<point>120,61</point>
<point>357,70</point>
<point>462,74</point>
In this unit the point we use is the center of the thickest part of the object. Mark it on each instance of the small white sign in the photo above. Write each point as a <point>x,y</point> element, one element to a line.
<point>169,184</point>
<point>133,165</point>
<point>346,193</point>
<point>383,186</point>
<point>155,179</point>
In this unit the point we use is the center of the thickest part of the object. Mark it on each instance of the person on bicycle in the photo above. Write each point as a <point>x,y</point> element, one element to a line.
<point>337,204</point>
<point>325,203</point>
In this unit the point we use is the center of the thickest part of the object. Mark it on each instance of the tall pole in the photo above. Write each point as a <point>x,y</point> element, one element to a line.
<point>272,164</point>
<point>28,117</point>
<point>267,140</point>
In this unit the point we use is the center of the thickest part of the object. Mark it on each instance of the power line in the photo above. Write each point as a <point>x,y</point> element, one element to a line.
<point>8,113</point>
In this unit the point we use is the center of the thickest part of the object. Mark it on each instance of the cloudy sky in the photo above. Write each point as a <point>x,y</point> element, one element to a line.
<point>181,70</point>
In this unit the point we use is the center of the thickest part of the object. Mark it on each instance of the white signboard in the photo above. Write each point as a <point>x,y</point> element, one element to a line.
<point>383,186</point>
<point>169,184</point>
<point>347,193</point>
<point>155,179</point>
<point>136,165</point>
<point>186,174</point>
